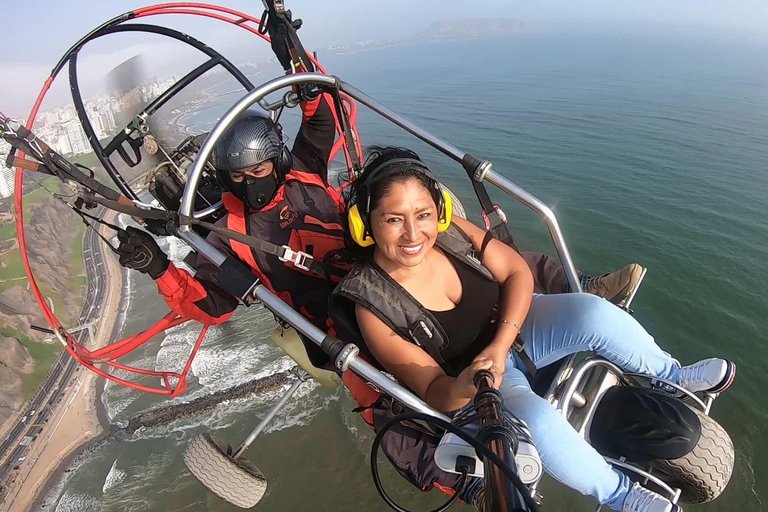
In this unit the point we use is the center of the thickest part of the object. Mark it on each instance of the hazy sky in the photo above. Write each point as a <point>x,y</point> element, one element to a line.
<point>43,29</point>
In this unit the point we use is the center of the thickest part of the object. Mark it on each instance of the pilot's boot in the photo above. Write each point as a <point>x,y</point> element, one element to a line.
<point>617,286</point>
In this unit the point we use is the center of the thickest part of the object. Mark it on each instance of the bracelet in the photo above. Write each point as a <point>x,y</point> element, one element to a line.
<point>514,324</point>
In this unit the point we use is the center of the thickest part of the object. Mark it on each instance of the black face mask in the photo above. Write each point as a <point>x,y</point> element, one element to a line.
<point>259,191</point>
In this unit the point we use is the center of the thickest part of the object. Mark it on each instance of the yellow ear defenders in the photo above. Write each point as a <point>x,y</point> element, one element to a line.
<point>358,225</point>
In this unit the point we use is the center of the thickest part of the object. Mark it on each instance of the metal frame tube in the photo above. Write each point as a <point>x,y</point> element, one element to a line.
<point>673,493</point>
<point>546,213</point>
<point>578,375</point>
<point>407,125</point>
<point>655,381</point>
<point>227,120</point>
<point>356,363</point>
<point>257,95</point>
<point>270,415</point>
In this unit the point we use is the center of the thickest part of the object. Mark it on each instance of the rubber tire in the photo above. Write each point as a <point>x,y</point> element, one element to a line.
<point>704,472</point>
<point>236,481</point>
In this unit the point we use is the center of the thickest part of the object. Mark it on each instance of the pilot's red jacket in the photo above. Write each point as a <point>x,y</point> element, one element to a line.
<point>305,214</point>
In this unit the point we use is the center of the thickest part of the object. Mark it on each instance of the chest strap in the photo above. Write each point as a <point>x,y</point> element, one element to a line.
<point>300,259</point>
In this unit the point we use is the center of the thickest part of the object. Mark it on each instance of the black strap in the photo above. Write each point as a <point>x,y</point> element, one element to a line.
<point>24,140</point>
<point>519,346</point>
<point>486,240</point>
<point>84,216</point>
<point>133,211</point>
<point>96,219</point>
<point>423,337</point>
<point>300,259</point>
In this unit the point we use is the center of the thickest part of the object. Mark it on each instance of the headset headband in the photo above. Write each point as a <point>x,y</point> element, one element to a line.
<point>380,172</point>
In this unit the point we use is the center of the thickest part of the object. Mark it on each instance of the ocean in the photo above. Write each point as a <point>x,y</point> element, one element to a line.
<point>650,146</point>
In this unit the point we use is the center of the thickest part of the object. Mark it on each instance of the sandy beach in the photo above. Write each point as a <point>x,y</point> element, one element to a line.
<point>78,419</point>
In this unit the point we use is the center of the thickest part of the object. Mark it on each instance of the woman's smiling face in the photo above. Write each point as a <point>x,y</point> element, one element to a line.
<point>404,223</point>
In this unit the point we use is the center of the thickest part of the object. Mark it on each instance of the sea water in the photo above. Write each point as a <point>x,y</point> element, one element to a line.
<point>650,147</point>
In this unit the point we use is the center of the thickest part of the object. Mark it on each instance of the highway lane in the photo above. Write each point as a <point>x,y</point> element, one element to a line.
<point>19,440</point>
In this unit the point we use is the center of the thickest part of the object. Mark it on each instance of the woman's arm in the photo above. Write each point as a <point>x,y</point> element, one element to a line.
<point>415,368</point>
<point>511,271</point>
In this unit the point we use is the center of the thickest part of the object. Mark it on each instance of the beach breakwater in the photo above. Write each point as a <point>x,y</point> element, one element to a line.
<point>165,415</point>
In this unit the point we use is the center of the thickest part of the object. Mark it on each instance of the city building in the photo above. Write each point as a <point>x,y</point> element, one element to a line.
<point>7,175</point>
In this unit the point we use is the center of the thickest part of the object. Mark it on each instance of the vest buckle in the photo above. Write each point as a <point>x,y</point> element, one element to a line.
<point>420,333</point>
<point>300,259</point>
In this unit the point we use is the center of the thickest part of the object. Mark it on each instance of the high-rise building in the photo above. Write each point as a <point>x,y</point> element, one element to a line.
<point>109,119</point>
<point>7,175</point>
<point>76,136</point>
<point>62,145</point>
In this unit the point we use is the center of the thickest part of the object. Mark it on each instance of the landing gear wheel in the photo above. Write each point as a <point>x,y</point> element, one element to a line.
<point>703,473</point>
<point>236,481</point>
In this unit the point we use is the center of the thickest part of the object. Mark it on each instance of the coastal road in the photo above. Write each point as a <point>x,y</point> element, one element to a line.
<point>17,445</point>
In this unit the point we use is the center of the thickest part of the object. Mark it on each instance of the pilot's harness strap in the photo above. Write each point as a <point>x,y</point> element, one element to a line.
<point>284,253</point>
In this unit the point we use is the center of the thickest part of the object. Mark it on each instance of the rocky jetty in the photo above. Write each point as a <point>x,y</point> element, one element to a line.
<point>168,414</point>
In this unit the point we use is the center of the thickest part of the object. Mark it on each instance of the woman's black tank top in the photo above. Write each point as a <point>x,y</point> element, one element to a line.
<point>470,325</point>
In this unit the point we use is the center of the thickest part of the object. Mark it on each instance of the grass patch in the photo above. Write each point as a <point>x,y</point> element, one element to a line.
<point>76,249</point>
<point>43,354</point>
<point>14,267</point>
<point>8,231</point>
<point>88,160</point>
<point>4,285</point>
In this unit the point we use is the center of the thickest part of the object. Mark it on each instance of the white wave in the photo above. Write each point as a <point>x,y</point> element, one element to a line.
<point>77,502</point>
<point>56,486</point>
<point>175,349</point>
<point>219,367</point>
<point>137,492</point>
<point>114,477</point>
<point>117,398</point>
<point>301,409</point>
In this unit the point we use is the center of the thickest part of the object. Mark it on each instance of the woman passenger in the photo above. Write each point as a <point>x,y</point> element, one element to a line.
<point>482,312</point>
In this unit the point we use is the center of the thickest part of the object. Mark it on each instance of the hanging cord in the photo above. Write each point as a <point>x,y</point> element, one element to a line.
<point>508,471</point>
<point>117,229</point>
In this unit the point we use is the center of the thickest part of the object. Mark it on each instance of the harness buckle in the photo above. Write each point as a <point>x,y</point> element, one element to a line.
<point>300,259</point>
<point>420,332</point>
<point>499,213</point>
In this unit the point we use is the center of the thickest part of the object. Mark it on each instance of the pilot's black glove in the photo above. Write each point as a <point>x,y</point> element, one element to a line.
<point>279,35</point>
<point>139,251</point>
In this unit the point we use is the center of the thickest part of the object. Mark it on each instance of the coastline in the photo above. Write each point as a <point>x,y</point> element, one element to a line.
<point>82,407</point>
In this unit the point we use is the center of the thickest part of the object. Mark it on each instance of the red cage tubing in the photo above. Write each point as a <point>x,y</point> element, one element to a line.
<point>109,354</point>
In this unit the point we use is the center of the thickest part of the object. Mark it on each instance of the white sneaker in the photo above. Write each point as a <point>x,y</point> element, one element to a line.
<point>710,375</point>
<point>640,499</point>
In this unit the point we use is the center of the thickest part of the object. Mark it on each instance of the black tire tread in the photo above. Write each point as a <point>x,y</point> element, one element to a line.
<point>704,472</point>
<point>236,481</point>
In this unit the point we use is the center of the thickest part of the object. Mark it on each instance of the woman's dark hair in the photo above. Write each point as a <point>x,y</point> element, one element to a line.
<point>367,193</point>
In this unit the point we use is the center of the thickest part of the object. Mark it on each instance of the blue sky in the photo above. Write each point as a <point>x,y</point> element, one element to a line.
<point>51,26</point>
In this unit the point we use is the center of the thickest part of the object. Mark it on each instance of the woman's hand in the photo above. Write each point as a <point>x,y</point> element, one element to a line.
<point>497,353</point>
<point>464,387</point>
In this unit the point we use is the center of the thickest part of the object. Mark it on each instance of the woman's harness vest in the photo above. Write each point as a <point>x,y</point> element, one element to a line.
<point>370,286</point>
<point>411,447</point>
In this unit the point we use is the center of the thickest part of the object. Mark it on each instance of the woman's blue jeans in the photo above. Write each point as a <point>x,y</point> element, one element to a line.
<point>558,326</point>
